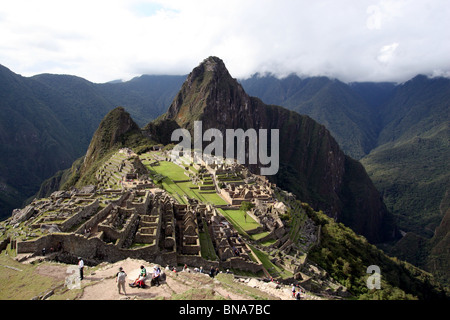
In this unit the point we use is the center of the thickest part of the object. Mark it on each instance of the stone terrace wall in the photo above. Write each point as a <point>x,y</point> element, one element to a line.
<point>100,216</point>
<point>78,217</point>
<point>123,233</point>
<point>141,207</point>
<point>197,261</point>
<point>241,264</point>
<point>95,249</point>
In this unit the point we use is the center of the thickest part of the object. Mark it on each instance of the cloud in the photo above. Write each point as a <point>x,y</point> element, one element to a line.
<point>103,40</point>
<point>387,53</point>
<point>384,11</point>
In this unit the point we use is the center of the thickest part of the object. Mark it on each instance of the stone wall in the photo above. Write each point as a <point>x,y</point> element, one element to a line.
<point>233,201</point>
<point>96,219</point>
<point>191,245</point>
<point>241,264</point>
<point>78,217</point>
<point>232,263</point>
<point>197,261</point>
<point>141,207</point>
<point>147,235</point>
<point>94,249</point>
<point>4,243</point>
<point>123,233</point>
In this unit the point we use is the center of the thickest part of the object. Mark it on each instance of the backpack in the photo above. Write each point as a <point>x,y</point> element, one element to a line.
<point>121,276</point>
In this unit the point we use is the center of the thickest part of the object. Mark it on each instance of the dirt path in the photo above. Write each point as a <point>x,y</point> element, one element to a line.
<point>100,283</point>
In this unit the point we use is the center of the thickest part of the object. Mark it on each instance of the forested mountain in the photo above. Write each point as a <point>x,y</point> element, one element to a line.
<point>406,147</point>
<point>400,132</point>
<point>311,163</point>
<point>395,130</point>
<point>349,117</point>
<point>48,121</point>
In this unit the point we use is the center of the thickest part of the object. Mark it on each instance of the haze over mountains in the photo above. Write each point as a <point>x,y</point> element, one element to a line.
<point>399,131</point>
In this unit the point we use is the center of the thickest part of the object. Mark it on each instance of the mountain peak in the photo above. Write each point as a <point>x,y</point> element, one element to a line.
<point>207,88</point>
<point>209,69</point>
<point>112,129</point>
<point>212,63</point>
<point>311,162</point>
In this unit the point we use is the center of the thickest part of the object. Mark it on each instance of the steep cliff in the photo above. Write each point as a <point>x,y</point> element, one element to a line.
<point>116,124</point>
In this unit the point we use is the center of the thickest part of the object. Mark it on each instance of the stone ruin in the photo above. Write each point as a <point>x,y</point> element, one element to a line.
<point>227,241</point>
<point>105,223</point>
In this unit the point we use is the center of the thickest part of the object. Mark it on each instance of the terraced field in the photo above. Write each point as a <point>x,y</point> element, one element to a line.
<point>175,180</point>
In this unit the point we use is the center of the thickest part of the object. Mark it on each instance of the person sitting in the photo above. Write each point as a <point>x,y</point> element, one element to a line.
<point>140,281</point>
<point>156,276</point>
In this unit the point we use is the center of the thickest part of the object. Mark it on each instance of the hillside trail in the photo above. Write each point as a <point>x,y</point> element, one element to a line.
<point>101,284</point>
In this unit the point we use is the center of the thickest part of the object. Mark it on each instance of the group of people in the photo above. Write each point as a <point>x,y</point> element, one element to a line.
<point>212,272</point>
<point>140,280</point>
<point>156,276</point>
<point>296,294</point>
<point>58,248</point>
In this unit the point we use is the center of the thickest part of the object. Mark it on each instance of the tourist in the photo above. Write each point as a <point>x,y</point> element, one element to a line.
<point>81,267</point>
<point>156,275</point>
<point>211,272</point>
<point>143,272</point>
<point>140,281</point>
<point>293,291</point>
<point>120,280</point>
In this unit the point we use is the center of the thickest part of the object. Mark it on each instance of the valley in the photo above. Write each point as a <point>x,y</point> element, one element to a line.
<point>316,213</point>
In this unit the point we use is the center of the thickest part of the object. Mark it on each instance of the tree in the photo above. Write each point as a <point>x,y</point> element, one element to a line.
<point>246,206</point>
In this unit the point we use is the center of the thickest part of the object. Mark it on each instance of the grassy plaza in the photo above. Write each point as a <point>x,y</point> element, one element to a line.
<point>173,179</point>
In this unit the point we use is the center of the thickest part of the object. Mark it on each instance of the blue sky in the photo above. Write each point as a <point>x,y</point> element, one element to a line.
<point>353,40</point>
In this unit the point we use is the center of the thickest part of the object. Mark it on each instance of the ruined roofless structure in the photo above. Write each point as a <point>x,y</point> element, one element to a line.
<point>115,220</point>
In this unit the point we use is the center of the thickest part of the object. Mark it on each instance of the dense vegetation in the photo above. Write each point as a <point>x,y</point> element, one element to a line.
<point>48,121</point>
<point>405,149</point>
<point>346,256</point>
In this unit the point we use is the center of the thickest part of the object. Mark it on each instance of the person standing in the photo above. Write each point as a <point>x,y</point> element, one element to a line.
<point>81,267</point>
<point>120,280</point>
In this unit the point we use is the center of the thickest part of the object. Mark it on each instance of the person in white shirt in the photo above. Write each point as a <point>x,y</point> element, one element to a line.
<point>80,266</point>
<point>156,275</point>
<point>120,280</point>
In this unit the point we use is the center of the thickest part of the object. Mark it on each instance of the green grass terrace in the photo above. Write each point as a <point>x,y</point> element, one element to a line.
<point>174,180</point>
